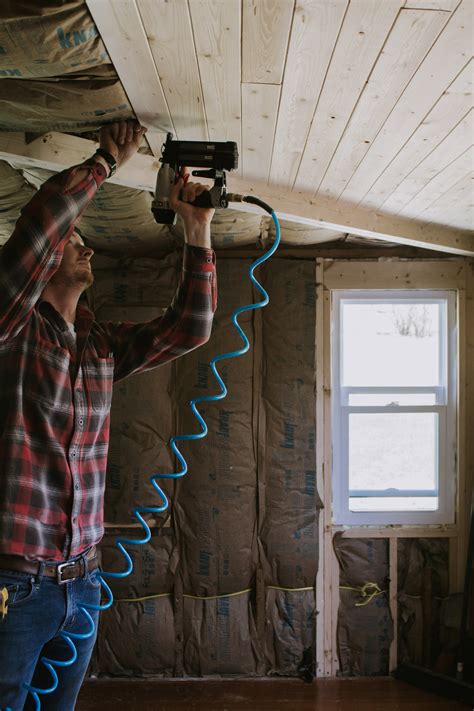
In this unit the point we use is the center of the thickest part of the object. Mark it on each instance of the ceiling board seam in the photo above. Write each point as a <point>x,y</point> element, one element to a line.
<point>411,136</point>
<point>198,67</point>
<point>435,177</point>
<point>453,9</point>
<point>281,92</point>
<point>468,175</point>
<point>428,9</point>
<point>359,99</point>
<point>154,64</point>
<point>394,107</point>
<point>402,148</point>
<point>407,176</point>
<point>320,93</point>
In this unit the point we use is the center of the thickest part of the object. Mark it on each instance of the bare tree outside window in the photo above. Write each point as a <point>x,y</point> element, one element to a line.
<point>413,321</point>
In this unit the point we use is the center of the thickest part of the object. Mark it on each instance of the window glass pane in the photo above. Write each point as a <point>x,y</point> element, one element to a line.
<point>393,399</point>
<point>394,503</point>
<point>391,344</point>
<point>393,451</point>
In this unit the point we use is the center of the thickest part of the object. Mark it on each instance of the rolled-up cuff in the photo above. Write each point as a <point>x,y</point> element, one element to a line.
<point>201,259</point>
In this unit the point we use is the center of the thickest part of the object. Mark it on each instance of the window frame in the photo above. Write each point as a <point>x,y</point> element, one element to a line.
<point>445,406</point>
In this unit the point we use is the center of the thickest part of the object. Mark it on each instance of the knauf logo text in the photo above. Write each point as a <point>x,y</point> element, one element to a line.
<point>67,40</point>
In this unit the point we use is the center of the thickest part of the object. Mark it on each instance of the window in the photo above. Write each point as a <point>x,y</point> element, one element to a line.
<point>393,406</point>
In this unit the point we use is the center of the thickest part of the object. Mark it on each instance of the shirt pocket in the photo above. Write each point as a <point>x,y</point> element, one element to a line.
<point>45,371</point>
<point>99,377</point>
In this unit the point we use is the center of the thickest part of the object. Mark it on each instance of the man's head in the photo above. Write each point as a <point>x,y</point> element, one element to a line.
<point>75,268</point>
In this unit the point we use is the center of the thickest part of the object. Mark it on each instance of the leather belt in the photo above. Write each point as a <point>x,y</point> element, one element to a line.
<point>62,571</point>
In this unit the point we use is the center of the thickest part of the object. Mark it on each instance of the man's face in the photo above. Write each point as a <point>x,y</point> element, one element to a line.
<point>75,268</point>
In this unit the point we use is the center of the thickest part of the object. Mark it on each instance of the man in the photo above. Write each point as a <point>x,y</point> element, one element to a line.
<point>57,367</point>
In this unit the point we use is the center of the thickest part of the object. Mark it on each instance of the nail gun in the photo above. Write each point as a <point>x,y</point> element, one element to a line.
<point>215,157</point>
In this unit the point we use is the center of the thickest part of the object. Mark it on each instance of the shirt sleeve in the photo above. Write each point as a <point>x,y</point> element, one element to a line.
<point>34,251</point>
<point>185,325</point>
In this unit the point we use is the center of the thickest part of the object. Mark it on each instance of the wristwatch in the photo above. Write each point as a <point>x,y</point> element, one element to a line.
<point>109,159</point>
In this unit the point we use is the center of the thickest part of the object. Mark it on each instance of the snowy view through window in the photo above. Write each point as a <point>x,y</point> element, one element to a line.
<point>392,345</point>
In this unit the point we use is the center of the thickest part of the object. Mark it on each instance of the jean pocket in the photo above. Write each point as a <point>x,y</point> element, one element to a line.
<point>20,589</point>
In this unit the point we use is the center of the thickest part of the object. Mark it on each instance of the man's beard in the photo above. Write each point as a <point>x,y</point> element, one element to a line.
<point>80,278</point>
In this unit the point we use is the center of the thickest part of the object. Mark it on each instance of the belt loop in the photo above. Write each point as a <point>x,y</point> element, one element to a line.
<point>39,575</point>
<point>85,562</point>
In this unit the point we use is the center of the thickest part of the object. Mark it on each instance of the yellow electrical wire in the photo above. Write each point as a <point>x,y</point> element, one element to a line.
<point>363,591</point>
<point>207,597</point>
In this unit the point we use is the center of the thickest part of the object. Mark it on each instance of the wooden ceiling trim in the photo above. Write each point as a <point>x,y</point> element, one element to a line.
<point>121,29</point>
<point>436,125</point>
<point>55,151</point>
<point>266,28</point>
<point>259,117</point>
<point>360,41</point>
<point>314,32</point>
<point>217,27</point>
<point>432,78</point>
<point>170,35</point>
<point>407,44</point>
<point>458,141</point>
<point>300,207</point>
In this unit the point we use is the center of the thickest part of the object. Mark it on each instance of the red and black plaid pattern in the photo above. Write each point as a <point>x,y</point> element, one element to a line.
<point>56,394</point>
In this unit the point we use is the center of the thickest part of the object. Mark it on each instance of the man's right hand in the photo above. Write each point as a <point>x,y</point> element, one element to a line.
<point>197,220</point>
<point>121,139</point>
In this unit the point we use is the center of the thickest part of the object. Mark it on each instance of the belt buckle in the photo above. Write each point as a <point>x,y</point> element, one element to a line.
<point>59,571</point>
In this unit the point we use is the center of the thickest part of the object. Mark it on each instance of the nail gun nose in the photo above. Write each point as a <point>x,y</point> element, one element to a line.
<point>205,173</point>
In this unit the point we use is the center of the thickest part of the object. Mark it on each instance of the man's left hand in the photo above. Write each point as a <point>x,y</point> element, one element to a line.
<point>121,139</point>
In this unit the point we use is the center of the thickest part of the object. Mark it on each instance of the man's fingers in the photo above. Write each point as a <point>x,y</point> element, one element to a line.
<point>122,133</point>
<point>130,132</point>
<point>174,194</point>
<point>192,190</point>
<point>114,130</point>
<point>138,135</point>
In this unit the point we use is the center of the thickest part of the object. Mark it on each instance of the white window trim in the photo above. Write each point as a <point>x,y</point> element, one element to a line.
<point>446,407</point>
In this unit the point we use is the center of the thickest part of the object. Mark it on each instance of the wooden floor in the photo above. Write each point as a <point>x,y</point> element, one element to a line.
<point>259,695</point>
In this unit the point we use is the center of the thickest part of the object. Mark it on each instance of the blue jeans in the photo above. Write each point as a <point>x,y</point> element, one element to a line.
<point>38,609</point>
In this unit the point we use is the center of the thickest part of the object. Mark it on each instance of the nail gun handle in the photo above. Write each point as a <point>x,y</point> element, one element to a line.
<point>203,200</point>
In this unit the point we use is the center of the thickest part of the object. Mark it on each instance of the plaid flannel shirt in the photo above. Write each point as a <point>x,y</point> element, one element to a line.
<point>56,394</point>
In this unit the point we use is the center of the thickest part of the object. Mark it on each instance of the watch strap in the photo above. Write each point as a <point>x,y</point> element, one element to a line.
<point>109,159</point>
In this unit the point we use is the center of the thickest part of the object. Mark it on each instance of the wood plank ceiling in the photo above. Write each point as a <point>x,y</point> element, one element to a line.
<point>351,105</point>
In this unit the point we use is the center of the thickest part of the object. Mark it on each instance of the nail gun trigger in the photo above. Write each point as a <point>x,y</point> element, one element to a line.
<point>182,175</point>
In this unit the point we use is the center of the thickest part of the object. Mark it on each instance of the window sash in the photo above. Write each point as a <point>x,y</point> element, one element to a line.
<point>440,393</point>
<point>392,493</point>
<point>402,297</point>
<point>441,447</point>
<point>444,407</point>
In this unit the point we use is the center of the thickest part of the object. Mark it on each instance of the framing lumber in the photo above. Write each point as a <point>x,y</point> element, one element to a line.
<point>56,151</point>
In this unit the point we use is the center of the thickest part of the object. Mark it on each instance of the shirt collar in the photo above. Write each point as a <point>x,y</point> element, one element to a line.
<point>84,317</point>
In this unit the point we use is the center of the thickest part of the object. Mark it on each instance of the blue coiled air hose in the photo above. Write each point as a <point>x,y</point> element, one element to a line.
<point>69,637</point>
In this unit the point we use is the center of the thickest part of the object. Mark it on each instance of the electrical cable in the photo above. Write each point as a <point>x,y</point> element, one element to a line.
<point>138,511</point>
